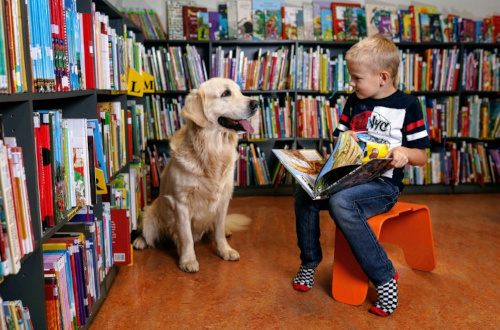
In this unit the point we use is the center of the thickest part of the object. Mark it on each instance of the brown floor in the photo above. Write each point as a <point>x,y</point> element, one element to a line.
<point>256,293</point>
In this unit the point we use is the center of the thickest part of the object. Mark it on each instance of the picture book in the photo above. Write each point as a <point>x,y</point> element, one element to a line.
<point>435,32</point>
<point>190,16</point>
<point>244,17</point>
<point>416,10</point>
<point>289,16</point>
<point>232,19</point>
<point>405,28</point>
<point>373,14</point>
<point>273,25</point>
<point>326,25</point>
<point>300,24</point>
<point>317,7</point>
<point>338,18</point>
<point>355,23</point>
<point>307,16</point>
<point>487,30</point>
<point>425,28</point>
<point>259,18</point>
<point>203,26</point>
<point>213,23</point>
<point>351,163</point>
<point>223,33</point>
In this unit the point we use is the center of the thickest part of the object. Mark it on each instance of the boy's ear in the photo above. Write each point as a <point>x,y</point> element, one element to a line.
<point>385,77</point>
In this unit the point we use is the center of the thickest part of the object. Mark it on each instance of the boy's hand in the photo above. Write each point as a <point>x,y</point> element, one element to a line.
<point>399,157</point>
<point>353,134</point>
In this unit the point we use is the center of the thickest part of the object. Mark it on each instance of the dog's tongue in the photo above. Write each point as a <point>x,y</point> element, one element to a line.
<point>246,126</point>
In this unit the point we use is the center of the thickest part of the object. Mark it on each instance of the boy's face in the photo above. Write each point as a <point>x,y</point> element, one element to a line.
<point>365,82</point>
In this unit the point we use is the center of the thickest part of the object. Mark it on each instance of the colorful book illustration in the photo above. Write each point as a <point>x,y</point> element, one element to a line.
<point>244,17</point>
<point>350,164</point>
<point>373,14</point>
<point>308,17</point>
<point>203,26</point>
<point>290,18</point>
<point>405,26</point>
<point>326,25</point>
<point>338,17</point>
<point>190,17</point>
<point>317,6</point>
<point>273,24</point>
<point>232,19</point>
<point>416,10</point>
<point>259,8</point>
<point>213,22</point>
<point>355,23</point>
<point>223,32</point>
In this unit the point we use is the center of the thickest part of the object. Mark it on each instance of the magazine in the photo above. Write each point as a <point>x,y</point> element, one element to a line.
<point>351,163</point>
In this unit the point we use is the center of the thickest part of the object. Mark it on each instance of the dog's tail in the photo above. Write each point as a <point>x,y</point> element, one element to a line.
<point>237,222</point>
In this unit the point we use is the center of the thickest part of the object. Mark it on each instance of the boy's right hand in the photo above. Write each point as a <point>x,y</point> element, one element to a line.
<point>353,134</point>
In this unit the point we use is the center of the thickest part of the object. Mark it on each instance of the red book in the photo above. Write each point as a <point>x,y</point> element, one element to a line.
<point>190,19</point>
<point>120,235</point>
<point>495,21</point>
<point>338,21</point>
<point>130,142</point>
<point>88,51</point>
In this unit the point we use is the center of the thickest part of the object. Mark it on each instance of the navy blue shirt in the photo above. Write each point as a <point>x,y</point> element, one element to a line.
<point>396,120</point>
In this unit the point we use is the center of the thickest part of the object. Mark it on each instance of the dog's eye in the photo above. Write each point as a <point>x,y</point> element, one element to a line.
<point>226,93</point>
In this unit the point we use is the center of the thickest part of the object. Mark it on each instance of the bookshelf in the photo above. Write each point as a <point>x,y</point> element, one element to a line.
<point>17,111</point>
<point>414,85</point>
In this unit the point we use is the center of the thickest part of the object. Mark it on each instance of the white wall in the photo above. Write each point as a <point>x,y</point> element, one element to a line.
<point>480,8</point>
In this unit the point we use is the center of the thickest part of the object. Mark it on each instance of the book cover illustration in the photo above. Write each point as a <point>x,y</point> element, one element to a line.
<point>213,22</point>
<point>273,25</point>
<point>308,19</point>
<point>326,25</point>
<point>317,7</point>
<point>355,23</point>
<point>405,28</point>
<point>338,18</point>
<point>349,164</point>
<point>425,27</point>
<point>259,9</point>
<point>374,13</point>
<point>232,19</point>
<point>435,28</point>
<point>289,17</point>
<point>223,33</point>
<point>244,16</point>
<point>203,26</point>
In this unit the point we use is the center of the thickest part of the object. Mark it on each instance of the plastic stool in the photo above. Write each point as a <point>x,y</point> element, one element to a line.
<point>407,225</point>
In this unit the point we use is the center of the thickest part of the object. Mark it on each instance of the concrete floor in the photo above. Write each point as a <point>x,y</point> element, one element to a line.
<point>256,291</point>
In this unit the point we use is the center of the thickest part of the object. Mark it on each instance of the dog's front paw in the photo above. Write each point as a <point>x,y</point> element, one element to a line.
<point>189,266</point>
<point>140,243</point>
<point>230,255</point>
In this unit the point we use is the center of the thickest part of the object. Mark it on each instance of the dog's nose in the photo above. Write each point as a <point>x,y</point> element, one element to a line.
<point>254,104</point>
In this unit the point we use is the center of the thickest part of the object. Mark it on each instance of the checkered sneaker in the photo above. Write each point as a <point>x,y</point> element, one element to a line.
<point>305,276</point>
<point>387,296</point>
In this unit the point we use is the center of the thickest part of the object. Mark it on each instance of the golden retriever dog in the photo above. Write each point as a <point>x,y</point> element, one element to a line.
<point>197,182</point>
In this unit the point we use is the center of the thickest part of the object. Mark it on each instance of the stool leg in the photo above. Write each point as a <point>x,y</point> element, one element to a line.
<point>349,283</point>
<point>412,231</point>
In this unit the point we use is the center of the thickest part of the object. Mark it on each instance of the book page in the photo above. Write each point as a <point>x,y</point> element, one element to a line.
<point>303,164</point>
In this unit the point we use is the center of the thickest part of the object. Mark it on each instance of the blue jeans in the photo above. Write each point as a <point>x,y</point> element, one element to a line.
<point>349,209</point>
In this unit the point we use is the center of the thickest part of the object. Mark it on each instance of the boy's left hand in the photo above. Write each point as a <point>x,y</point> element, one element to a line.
<point>399,157</point>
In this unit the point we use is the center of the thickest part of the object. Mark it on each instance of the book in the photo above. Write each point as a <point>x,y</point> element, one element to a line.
<point>273,24</point>
<point>290,19</point>
<point>326,25</point>
<point>175,24</point>
<point>120,228</point>
<point>203,26</point>
<point>338,18</point>
<point>416,10</point>
<point>223,33</point>
<point>317,6</point>
<point>405,27</point>
<point>349,164</point>
<point>232,19</point>
<point>244,17</point>
<point>213,23</point>
<point>308,19</point>
<point>190,16</point>
<point>373,14</point>
<point>259,8</point>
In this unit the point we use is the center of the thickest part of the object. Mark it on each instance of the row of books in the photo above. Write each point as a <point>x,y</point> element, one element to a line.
<point>323,20</point>
<point>76,261</point>
<point>476,117</point>
<point>174,70</point>
<point>317,116</point>
<point>481,70</point>
<point>272,70</point>
<point>251,166</point>
<point>148,21</point>
<point>14,315</point>
<point>17,238</point>
<point>12,57</point>
<point>458,163</point>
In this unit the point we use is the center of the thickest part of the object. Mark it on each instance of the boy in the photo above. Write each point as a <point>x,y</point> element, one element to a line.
<point>390,116</point>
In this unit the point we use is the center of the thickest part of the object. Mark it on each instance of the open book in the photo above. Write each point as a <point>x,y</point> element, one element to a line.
<point>351,163</point>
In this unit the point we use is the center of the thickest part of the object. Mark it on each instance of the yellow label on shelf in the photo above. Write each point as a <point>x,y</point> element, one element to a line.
<point>135,86</point>
<point>149,83</point>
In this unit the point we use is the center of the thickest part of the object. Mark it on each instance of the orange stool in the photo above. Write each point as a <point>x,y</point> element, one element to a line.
<point>407,225</point>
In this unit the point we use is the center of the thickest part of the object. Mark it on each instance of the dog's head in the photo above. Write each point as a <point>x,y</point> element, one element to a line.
<point>219,102</point>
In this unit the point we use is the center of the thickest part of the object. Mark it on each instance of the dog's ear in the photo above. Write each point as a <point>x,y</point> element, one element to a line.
<point>194,107</point>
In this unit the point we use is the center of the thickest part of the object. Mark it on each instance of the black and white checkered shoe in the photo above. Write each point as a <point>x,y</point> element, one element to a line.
<point>304,280</point>
<point>387,298</point>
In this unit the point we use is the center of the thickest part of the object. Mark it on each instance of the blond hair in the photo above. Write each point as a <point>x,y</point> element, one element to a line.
<point>379,52</point>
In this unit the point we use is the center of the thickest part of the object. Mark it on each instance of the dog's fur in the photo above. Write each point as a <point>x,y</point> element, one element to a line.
<point>197,183</point>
